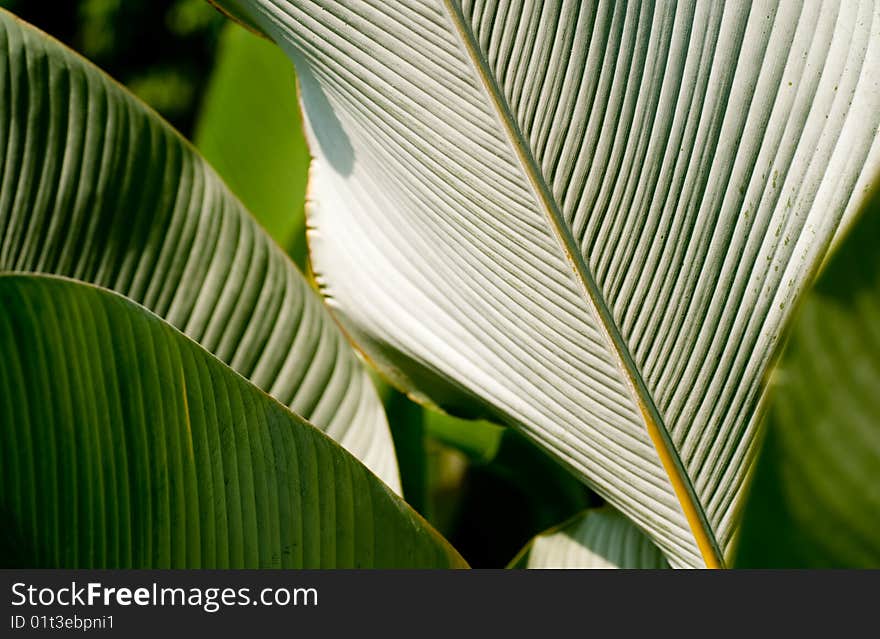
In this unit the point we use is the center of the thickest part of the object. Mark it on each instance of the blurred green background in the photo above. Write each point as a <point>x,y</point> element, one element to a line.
<point>162,50</point>
<point>487,489</point>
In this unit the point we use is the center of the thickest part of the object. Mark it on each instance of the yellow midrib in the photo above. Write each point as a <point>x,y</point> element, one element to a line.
<point>678,478</point>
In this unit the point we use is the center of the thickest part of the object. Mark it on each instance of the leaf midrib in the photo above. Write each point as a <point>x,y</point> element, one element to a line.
<point>679,479</point>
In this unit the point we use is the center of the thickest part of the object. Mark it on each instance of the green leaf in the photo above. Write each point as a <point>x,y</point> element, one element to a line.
<point>815,501</point>
<point>94,186</point>
<point>598,538</point>
<point>407,428</point>
<point>125,444</point>
<point>585,220</point>
<point>479,440</point>
<point>249,131</point>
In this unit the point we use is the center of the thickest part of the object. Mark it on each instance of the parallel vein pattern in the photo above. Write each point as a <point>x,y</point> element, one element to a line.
<point>95,187</point>
<point>701,185</point>
<point>586,218</point>
<point>599,538</point>
<point>124,444</point>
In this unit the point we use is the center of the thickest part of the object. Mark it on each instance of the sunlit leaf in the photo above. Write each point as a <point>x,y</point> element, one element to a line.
<point>598,538</point>
<point>586,220</point>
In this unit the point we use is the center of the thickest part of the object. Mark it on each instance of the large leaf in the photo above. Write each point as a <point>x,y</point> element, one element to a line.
<point>94,186</point>
<point>815,501</point>
<point>598,538</point>
<point>588,219</point>
<point>125,444</point>
<point>249,130</point>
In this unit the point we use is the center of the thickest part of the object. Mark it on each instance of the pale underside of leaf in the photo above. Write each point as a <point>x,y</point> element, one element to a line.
<point>598,538</point>
<point>95,186</point>
<point>587,219</point>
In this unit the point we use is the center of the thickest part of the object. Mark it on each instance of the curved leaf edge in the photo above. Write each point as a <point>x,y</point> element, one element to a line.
<point>870,198</point>
<point>520,560</point>
<point>190,148</point>
<point>456,560</point>
<point>448,393</point>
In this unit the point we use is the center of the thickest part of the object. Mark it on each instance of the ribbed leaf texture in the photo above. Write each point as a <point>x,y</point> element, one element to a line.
<point>815,501</point>
<point>125,444</point>
<point>94,186</point>
<point>588,220</point>
<point>599,538</point>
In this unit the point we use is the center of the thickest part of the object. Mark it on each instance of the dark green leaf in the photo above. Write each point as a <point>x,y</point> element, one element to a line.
<point>815,501</point>
<point>125,444</point>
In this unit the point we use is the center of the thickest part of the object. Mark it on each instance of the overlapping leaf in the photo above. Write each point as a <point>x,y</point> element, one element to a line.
<point>598,538</point>
<point>94,186</point>
<point>588,220</point>
<point>125,444</point>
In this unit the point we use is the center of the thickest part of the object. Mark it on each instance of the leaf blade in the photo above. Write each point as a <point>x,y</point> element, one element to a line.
<point>164,457</point>
<point>599,538</point>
